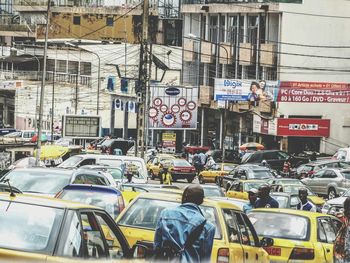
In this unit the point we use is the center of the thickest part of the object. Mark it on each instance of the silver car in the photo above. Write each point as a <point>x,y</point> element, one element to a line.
<point>329,182</point>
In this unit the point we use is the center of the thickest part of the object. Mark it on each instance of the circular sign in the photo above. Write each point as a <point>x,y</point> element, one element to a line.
<point>168,120</point>
<point>175,108</point>
<point>182,101</point>
<point>164,108</point>
<point>185,115</point>
<point>172,91</point>
<point>191,105</point>
<point>157,102</point>
<point>152,112</point>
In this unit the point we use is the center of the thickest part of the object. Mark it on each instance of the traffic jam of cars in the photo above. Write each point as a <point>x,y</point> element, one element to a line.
<point>108,206</point>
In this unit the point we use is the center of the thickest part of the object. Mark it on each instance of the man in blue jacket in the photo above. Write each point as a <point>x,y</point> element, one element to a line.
<point>185,229</point>
<point>265,200</point>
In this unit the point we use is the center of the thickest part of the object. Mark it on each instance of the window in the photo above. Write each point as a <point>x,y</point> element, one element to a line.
<point>270,156</point>
<point>326,232</point>
<point>89,179</point>
<point>319,174</point>
<point>87,162</point>
<point>247,236</point>
<point>114,247</point>
<point>231,226</point>
<point>71,246</point>
<point>85,68</point>
<point>93,239</point>
<point>329,174</point>
<point>109,21</point>
<point>76,20</point>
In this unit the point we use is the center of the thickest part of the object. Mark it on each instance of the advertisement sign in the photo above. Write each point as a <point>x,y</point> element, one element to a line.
<point>303,127</point>
<point>173,107</point>
<point>81,126</point>
<point>245,90</point>
<point>11,84</point>
<point>264,126</point>
<point>314,92</point>
<point>169,142</point>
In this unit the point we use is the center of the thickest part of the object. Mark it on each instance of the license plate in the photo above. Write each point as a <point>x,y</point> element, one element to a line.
<point>273,251</point>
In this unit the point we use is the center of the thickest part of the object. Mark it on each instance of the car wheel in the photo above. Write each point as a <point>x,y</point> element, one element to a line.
<point>200,179</point>
<point>332,193</point>
<point>190,179</point>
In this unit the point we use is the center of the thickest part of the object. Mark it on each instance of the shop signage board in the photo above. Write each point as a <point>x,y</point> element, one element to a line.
<point>11,84</point>
<point>173,107</point>
<point>264,126</point>
<point>240,90</point>
<point>303,127</point>
<point>313,92</point>
<point>169,142</point>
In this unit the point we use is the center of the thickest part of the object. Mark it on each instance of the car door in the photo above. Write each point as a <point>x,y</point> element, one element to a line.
<point>328,177</point>
<point>234,191</point>
<point>326,236</point>
<point>314,182</point>
<point>249,240</point>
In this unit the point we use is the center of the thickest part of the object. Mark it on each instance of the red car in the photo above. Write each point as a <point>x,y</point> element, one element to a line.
<point>181,169</point>
<point>194,149</point>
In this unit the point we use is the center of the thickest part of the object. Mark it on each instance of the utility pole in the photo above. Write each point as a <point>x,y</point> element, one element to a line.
<point>42,92</point>
<point>53,104</point>
<point>144,78</point>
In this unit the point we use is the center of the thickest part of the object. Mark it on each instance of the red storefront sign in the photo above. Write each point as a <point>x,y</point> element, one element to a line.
<point>303,127</point>
<point>313,92</point>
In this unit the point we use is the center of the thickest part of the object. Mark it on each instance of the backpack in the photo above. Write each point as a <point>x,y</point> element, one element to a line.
<point>197,160</point>
<point>167,253</point>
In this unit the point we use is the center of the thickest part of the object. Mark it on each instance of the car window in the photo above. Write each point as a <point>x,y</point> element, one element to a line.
<point>319,174</point>
<point>270,156</point>
<point>254,158</point>
<point>137,216</point>
<point>88,161</point>
<point>107,201</point>
<point>93,238</point>
<point>90,179</point>
<point>329,174</point>
<point>282,200</point>
<point>280,225</point>
<point>110,162</point>
<point>71,162</point>
<point>181,162</point>
<point>346,174</point>
<point>38,181</point>
<point>344,165</point>
<point>340,155</point>
<point>71,244</point>
<point>212,192</point>
<point>260,174</point>
<point>250,185</point>
<point>115,249</point>
<point>326,232</point>
<point>246,235</point>
<point>30,228</point>
<point>231,226</point>
<point>116,173</point>
<point>228,168</point>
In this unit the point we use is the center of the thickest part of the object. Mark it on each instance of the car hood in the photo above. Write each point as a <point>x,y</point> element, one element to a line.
<point>339,201</point>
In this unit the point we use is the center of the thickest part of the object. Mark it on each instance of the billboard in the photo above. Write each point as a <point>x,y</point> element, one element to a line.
<point>303,127</point>
<point>313,92</point>
<point>173,107</point>
<point>81,126</point>
<point>245,90</point>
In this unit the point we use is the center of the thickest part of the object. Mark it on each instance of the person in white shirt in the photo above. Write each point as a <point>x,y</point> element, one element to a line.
<point>305,204</point>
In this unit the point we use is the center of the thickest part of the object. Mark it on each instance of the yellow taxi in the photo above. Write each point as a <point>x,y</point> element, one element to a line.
<point>212,173</point>
<point>299,236</point>
<point>294,189</point>
<point>41,229</point>
<point>235,237</point>
<point>154,165</point>
<point>239,189</point>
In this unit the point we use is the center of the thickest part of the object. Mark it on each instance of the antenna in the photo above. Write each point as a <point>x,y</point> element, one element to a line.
<point>12,193</point>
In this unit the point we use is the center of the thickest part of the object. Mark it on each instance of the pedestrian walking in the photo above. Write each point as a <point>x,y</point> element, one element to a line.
<point>166,175</point>
<point>305,204</point>
<point>265,200</point>
<point>252,196</point>
<point>342,241</point>
<point>210,161</point>
<point>182,233</point>
<point>197,162</point>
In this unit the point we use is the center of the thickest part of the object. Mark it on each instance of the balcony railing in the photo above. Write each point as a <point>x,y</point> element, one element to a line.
<point>36,76</point>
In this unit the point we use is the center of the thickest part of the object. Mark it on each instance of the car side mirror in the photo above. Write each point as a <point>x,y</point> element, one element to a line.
<point>140,251</point>
<point>266,242</point>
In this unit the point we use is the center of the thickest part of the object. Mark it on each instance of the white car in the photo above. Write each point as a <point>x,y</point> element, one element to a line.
<point>343,154</point>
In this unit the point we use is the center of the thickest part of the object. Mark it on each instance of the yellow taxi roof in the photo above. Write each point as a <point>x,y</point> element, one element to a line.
<point>177,198</point>
<point>43,200</point>
<point>291,212</point>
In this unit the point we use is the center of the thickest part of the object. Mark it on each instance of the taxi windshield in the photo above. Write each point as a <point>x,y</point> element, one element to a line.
<point>278,225</point>
<point>137,216</point>
<point>29,227</point>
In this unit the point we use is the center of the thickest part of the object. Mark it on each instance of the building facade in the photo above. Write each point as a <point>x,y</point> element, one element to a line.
<point>254,41</point>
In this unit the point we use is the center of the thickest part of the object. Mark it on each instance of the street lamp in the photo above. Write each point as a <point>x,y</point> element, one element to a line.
<point>98,72</point>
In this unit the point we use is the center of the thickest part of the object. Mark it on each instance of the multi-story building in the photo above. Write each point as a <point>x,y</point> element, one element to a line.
<point>92,20</point>
<point>82,80</point>
<point>293,43</point>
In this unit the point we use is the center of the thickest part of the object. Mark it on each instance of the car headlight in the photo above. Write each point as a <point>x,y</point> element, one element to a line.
<point>326,206</point>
